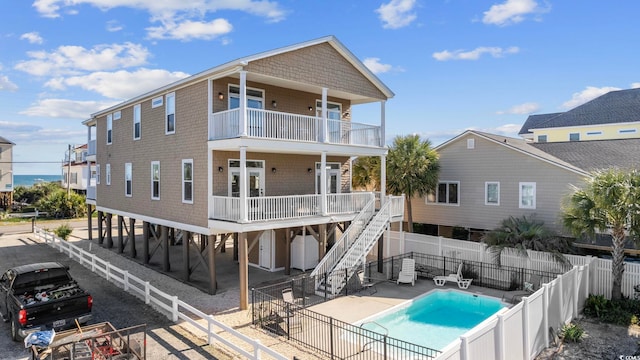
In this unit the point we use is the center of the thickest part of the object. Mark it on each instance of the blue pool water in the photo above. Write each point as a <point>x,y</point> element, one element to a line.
<point>437,318</point>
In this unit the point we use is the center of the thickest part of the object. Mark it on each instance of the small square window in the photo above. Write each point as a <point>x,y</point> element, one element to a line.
<point>574,137</point>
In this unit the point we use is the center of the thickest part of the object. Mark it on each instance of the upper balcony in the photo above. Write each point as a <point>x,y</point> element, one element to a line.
<point>273,125</point>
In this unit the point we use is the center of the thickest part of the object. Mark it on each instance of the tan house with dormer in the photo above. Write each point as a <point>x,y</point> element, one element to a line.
<point>257,151</point>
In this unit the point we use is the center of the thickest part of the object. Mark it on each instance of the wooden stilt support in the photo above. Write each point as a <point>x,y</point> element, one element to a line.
<point>145,242</point>
<point>235,246</point>
<point>109,231</point>
<point>89,219</point>
<point>100,229</point>
<point>380,253</point>
<point>120,234</point>
<point>132,237</point>
<point>211,243</point>
<point>186,240</point>
<point>244,271</point>
<point>164,239</point>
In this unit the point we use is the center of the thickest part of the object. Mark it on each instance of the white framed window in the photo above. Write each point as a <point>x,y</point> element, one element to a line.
<point>542,138</point>
<point>187,181</point>
<point>471,143</point>
<point>156,102</point>
<point>492,193</point>
<point>107,174</point>
<point>447,193</point>
<point>155,180</point>
<point>109,129</point>
<point>574,137</point>
<point>97,173</point>
<point>527,195</point>
<point>128,180</point>
<point>117,115</point>
<point>137,115</point>
<point>170,114</point>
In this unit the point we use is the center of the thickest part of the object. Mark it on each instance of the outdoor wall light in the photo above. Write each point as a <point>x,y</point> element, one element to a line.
<point>220,169</point>
<point>309,170</point>
<point>274,103</point>
<point>310,108</point>
<point>273,170</point>
<point>220,96</point>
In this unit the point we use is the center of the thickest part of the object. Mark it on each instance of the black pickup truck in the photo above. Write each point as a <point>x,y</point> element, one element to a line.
<point>42,296</point>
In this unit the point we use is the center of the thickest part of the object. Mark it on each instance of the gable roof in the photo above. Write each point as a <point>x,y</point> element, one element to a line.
<point>5,141</point>
<point>236,65</point>
<point>622,106</point>
<point>519,145</point>
<point>596,154</point>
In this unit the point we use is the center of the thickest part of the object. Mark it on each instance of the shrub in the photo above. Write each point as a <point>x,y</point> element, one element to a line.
<point>595,305</point>
<point>572,332</point>
<point>620,312</point>
<point>63,231</point>
<point>59,204</point>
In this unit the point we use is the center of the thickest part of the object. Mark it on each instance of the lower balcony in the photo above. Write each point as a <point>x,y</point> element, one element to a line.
<point>270,208</point>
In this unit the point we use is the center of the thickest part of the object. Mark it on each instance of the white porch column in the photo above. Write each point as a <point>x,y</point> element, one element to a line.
<point>209,182</point>
<point>243,105</point>
<point>323,183</point>
<point>382,122</point>
<point>325,128</point>
<point>383,179</point>
<point>244,209</point>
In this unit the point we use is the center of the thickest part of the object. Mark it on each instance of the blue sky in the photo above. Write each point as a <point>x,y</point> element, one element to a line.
<point>453,64</point>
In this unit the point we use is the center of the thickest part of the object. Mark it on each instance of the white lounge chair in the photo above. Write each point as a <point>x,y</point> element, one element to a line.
<point>408,272</point>
<point>456,278</point>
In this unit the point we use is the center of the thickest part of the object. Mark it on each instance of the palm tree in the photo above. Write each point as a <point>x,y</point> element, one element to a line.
<point>412,169</point>
<point>608,203</point>
<point>524,234</point>
<point>366,173</point>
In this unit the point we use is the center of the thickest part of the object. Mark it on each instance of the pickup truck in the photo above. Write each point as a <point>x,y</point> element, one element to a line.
<point>42,296</point>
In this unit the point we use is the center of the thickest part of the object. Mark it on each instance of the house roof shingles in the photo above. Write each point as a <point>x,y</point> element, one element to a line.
<point>595,155</point>
<point>621,106</point>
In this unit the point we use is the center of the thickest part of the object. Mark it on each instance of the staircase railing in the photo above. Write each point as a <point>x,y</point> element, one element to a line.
<point>355,255</point>
<point>336,252</point>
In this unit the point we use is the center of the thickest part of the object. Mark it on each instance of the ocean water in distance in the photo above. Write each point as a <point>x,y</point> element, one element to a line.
<point>29,180</point>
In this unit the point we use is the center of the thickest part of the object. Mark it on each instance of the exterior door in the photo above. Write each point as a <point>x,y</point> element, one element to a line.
<point>255,100</point>
<point>334,123</point>
<point>333,178</point>
<point>255,178</point>
<point>266,249</point>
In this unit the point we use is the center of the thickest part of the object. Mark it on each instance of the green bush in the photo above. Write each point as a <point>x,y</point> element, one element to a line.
<point>620,312</point>
<point>596,305</point>
<point>59,205</point>
<point>63,231</point>
<point>572,332</point>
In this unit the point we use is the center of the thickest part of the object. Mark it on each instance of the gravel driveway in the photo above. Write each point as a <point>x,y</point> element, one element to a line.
<point>165,340</point>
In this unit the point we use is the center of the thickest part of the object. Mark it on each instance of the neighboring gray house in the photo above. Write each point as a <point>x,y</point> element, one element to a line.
<point>6,173</point>
<point>485,178</point>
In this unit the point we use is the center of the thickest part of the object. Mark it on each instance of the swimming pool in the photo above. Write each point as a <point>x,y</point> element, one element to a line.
<point>436,318</point>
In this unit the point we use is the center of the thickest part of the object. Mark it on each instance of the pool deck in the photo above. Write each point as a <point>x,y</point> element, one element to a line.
<point>354,308</point>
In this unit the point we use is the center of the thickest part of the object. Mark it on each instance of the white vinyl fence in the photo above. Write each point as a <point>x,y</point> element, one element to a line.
<point>166,304</point>
<point>522,331</point>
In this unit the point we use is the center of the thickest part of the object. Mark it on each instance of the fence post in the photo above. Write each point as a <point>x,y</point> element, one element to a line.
<point>174,313</point>
<point>561,299</point>
<point>525,328</point>
<point>439,245</point>
<point>545,313</point>
<point>147,293</point>
<point>500,337</point>
<point>304,291</point>
<point>108,275</point>
<point>93,263</point>
<point>331,336</point>
<point>576,290</point>
<point>126,281</point>
<point>256,349</point>
<point>209,337</point>
<point>464,351</point>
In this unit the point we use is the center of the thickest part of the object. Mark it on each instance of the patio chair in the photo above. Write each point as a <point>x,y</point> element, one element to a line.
<point>529,288</point>
<point>408,272</point>
<point>456,278</point>
<point>288,315</point>
<point>366,283</point>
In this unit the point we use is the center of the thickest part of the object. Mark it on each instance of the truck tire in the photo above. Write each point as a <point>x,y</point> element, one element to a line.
<point>14,330</point>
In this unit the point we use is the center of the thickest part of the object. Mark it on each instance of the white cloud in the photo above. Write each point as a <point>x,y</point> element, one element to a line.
<point>66,109</point>
<point>120,84</point>
<point>521,109</point>
<point>74,59</point>
<point>586,95</point>
<point>635,85</point>
<point>6,84</point>
<point>397,13</point>
<point>474,54</point>
<point>511,12</point>
<point>167,9</point>
<point>376,66</point>
<point>188,30</point>
<point>114,26</point>
<point>32,37</point>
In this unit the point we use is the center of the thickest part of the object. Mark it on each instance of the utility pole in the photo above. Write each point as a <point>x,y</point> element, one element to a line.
<point>69,173</point>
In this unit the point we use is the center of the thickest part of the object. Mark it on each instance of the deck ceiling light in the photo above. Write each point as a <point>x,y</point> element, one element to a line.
<point>274,103</point>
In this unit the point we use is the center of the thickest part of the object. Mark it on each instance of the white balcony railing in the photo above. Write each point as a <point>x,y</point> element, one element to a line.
<point>267,208</point>
<point>269,124</point>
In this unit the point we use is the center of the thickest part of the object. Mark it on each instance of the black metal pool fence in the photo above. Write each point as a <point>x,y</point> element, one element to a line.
<point>340,340</point>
